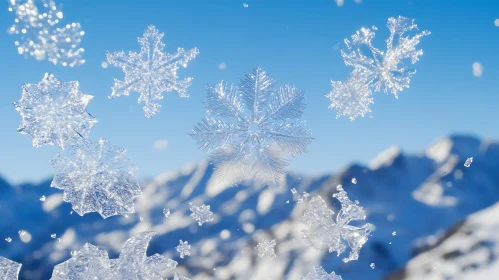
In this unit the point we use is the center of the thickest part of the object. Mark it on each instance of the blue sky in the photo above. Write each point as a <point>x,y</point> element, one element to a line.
<point>296,41</point>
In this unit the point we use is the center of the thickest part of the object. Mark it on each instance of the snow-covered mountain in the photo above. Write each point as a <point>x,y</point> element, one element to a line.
<point>415,196</point>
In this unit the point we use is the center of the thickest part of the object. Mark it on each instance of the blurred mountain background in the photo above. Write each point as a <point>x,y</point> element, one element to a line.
<point>434,218</point>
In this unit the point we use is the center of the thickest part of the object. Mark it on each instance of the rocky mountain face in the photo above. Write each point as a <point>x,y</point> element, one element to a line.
<point>413,201</point>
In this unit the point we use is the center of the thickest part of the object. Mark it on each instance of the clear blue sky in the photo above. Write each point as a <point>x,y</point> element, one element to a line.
<point>293,40</point>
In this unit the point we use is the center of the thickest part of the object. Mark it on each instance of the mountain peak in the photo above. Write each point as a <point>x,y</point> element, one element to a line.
<point>457,144</point>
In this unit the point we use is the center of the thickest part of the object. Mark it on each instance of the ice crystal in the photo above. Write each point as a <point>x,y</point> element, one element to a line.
<point>96,177</point>
<point>151,72</point>
<point>178,277</point>
<point>299,198</point>
<point>183,249</point>
<point>8,239</point>
<point>54,113</point>
<point>92,262</point>
<point>166,213</point>
<point>318,273</point>
<point>350,98</point>
<point>336,234</point>
<point>37,24</point>
<point>201,214</point>
<point>53,235</point>
<point>266,248</point>
<point>251,129</point>
<point>468,162</point>
<point>9,270</point>
<point>43,198</point>
<point>373,265</point>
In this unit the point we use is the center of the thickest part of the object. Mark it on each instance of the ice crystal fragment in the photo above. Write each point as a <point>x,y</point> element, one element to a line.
<point>468,162</point>
<point>318,273</point>
<point>394,233</point>
<point>166,212</point>
<point>43,198</point>
<point>151,72</point>
<point>354,181</point>
<point>299,198</point>
<point>178,277</point>
<point>266,248</point>
<point>250,130</point>
<point>53,235</point>
<point>21,232</point>
<point>54,113</point>
<point>8,239</point>
<point>37,25</point>
<point>373,265</point>
<point>9,270</point>
<point>183,249</point>
<point>96,177</point>
<point>336,234</point>
<point>201,214</point>
<point>92,262</point>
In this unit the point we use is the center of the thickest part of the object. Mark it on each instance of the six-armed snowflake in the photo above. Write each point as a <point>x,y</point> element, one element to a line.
<point>96,177</point>
<point>183,248</point>
<point>54,113</point>
<point>151,72</point>
<point>252,128</point>
<point>201,214</point>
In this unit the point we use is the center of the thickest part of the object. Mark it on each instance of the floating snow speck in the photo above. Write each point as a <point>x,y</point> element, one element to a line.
<point>468,162</point>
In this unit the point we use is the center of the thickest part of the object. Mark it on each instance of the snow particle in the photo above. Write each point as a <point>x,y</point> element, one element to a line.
<point>104,64</point>
<point>496,22</point>
<point>354,181</point>
<point>266,248</point>
<point>468,162</point>
<point>183,249</point>
<point>201,214</point>
<point>8,239</point>
<point>166,213</point>
<point>43,198</point>
<point>53,235</point>
<point>245,5</point>
<point>222,66</point>
<point>477,69</point>
<point>225,234</point>
<point>394,233</point>
<point>373,265</point>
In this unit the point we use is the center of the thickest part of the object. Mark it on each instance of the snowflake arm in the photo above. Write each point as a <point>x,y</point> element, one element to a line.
<point>256,89</point>
<point>151,72</point>
<point>318,273</point>
<point>351,98</point>
<point>54,112</point>
<point>266,248</point>
<point>96,177</point>
<point>292,137</point>
<point>9,270</point>
<point>201,214</point>
<point>184,249</point>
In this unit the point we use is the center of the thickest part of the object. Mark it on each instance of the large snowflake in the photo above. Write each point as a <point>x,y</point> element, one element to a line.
<point>9,270</point>
<point>252,128</point>
<point>37,25</point>
<point>96,177</point>
<point>151,72</point>
<point>373,68</point>
<point>133,263</point>
<point>318,273</point>
<point>54,113</point>
<point>336,235</point>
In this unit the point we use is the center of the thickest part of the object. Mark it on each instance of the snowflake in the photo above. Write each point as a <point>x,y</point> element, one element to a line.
<point>9,270</point>
<point>178,277</point>
<point>318,273</point>
<point>151,72</point>
<point>468,162</point>
<point>382,70</point>
<point>202,213</point>
<point>37,24</point>
<point>184,249</point>
<point>251,129</point>
<point>351,98</point>
<point>96,177</point>
<point>266,248</point>
<point>336,235</point>
<point>54,113</point>
<point>92,262</point>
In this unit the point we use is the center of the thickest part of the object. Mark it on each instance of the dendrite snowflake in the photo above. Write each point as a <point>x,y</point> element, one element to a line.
<point>151,72</point>
<point>96,177</point>
<point>54,113</point>
<point>336,235</point>
<point>318,273</point>
<point>201,214</point>
<point>374,68</point>
<point>9,270</point>
<point>266,248</point>
<point>92,262</point>
<point>36,24</point>
<point>251,129</point>
<point>184,249</point>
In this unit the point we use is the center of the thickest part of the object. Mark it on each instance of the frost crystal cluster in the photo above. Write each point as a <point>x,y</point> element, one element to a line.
<point>92,262</point>
<point>151,72</point>
<point>54,113</point>
<point>37,24</point>
<point>201,214</point>
<point>318,273</point>
<point>184,249</point>
<point>9,270</point>
<point>266,248</point>
<point>96,177</point>
<point>252,128</point>
<point>374,69</point>
<point>336,235</point>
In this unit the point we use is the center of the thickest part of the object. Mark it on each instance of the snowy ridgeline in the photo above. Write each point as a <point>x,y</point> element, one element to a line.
<point>416,196</point>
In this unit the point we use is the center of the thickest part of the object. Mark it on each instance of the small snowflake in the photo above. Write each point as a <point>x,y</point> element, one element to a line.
<point>184,249</point>
<point>201,214</point>
<point>266,248</point>
<point>54,113</point>
<point>9,270</point>
<point>336,235</point>
<point>318,273</point>
<point>250,130</point>
<point>151,72</point>
<point>96,177</point>
<point>351,98</point>
<point>468,162</point>
<point>42,37</point>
